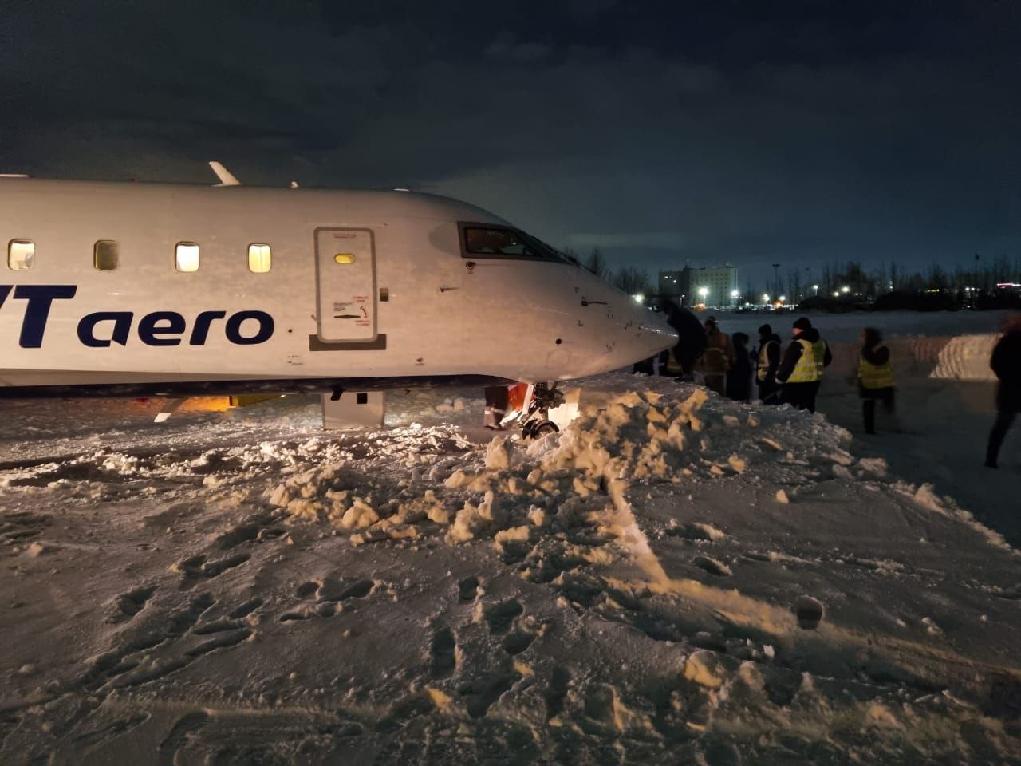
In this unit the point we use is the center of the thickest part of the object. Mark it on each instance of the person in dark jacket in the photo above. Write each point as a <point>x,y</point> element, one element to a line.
<point>767,361</point>
<point>691,338</point>
<point>717,359</point>
<point>802,366</point>
<point>875,377</point>
<point>739,379</point>
<point>1006,363</point>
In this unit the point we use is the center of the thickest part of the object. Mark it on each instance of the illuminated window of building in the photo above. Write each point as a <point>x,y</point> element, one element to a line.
<point>259,258</point>
<point>105,255</point>
<point>20,254</point>
<point>186,256</point>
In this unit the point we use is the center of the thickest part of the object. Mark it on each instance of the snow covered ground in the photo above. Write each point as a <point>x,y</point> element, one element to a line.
<point>675,578</point>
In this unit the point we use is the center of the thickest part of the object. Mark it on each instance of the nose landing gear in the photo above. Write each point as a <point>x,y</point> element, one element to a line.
<point>536,422</point>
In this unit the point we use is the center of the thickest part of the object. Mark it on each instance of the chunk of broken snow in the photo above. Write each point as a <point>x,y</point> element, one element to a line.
<point>841,457</point>
<point>514,534</point>
<point>443,701</point>
<point>359,516</point>
<point>456,480</point>
<point>471,518</point>
<point>498,454</point>
<point>841,472</point>
<point>279,496</point>
<point>738,463</point>
<point>931,627</point>
<point>703,667</point>
<point>438,515</point>
<point>881,716</point>
<point>874,465</point>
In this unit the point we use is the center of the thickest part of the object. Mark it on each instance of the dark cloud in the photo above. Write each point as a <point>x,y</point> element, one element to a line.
<point>751,132</point>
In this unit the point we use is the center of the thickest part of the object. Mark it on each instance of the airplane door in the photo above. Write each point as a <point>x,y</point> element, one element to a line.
<point>346,285</point>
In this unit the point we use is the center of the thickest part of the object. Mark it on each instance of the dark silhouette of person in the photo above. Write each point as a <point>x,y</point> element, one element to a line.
<point>767,361</point>
<point>1006,363</point>
<point>739,379</point>
<point>691,340</point>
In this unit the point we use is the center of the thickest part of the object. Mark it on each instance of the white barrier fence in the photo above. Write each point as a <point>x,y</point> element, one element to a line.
<point>961,357</point>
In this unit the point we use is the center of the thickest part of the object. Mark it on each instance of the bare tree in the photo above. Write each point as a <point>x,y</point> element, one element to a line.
<point>630,279</point>
<point>596,263</point>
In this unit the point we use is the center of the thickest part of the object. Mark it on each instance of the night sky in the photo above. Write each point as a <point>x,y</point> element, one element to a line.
<point>662,132</point>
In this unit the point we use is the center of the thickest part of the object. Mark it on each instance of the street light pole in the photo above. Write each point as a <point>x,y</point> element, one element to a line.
<point>776,278</point>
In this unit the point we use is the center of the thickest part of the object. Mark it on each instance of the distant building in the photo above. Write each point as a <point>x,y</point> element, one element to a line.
<point>711,285</point>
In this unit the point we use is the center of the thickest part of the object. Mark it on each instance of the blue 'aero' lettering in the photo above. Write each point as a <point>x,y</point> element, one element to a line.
<point>102,329</point>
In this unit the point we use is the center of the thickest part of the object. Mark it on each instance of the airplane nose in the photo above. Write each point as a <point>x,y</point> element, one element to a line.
<point>648,333</point>
<point>656,333</point>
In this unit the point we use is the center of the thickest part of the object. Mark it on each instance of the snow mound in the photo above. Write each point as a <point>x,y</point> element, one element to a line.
<point>526,498</point>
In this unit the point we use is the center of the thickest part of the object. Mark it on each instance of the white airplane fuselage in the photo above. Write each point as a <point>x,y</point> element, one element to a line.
<point>364,289</point>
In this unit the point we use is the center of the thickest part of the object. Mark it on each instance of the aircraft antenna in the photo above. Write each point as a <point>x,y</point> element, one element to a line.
<point>226,177</point>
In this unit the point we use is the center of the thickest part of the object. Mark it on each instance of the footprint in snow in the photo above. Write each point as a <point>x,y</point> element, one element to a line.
<point>442,653</point>
<point>467,589</point>
<point>809,612</point>
<point>127,605</point>
<point>500,616</point>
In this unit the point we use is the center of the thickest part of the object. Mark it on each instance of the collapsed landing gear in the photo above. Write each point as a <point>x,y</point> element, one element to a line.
<point>536,422</point>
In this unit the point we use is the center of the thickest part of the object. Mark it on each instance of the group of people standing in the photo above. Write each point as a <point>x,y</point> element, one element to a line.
<point>783,376</point>
<point>793,375</point>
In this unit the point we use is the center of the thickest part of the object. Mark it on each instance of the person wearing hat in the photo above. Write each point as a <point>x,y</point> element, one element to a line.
<point>767,360</point>
<point>680,360</point>
<point>801,370</point>
<point>718,357</point>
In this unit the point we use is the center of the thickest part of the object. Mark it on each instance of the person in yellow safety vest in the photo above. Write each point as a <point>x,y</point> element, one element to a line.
<point>875,377</point>
<point>718,357</point>
<point>802,367</point>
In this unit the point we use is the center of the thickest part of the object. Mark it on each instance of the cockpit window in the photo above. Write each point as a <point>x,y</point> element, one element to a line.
<point>481,241</point>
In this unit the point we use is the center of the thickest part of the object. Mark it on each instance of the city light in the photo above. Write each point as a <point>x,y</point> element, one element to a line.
<point>845,289</point>
<point>638,297</point>
<point>783,298</point>
<point>765,297</point>
<point>734,293</point>
<point>836,294</point>
<point>703,291</point>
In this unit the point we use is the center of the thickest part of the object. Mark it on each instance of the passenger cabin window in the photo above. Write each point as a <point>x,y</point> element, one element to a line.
<point>105,255</point>
<point>259,258</point>
<point>186,256</point>
<point>504,242</point>
<point>20,254</point>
